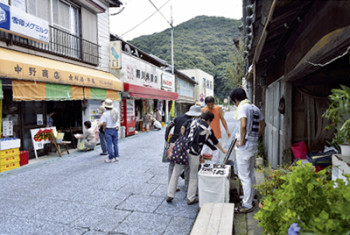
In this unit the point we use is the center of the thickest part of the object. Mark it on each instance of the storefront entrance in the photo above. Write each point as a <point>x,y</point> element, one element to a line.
<point>27,115</point>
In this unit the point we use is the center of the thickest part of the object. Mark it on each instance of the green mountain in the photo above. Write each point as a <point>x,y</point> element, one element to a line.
<point>203,42</point>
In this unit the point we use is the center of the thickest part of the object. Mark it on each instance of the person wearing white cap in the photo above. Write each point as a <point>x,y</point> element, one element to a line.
<point>178,122</point>
<point>109,119</point>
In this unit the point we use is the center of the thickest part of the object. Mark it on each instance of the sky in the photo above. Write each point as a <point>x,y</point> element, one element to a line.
<point>133,12</point>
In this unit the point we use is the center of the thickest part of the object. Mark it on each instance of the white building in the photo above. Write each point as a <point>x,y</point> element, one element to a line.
<point>56,53</point>
<point>205,85</point>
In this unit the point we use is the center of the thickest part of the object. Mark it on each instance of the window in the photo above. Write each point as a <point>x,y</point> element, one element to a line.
<point>147,76</point>
<point>151,77</point>
<point>138,75</point>
<point>204,81</point>
<point>211,85</point>
<point>32,7</point>
<point>143,75</point>
<point>66,16</point>
<point>155,79</point>
<point>208,84</point>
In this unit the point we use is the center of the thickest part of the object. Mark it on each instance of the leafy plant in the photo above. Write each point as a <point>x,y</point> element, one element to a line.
<point>273,180</point>
<point>338,113</point>
<point>317,205</point>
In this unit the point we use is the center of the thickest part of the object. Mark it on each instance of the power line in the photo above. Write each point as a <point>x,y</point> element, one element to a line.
<point>145,19</point>
<point>161,13</point>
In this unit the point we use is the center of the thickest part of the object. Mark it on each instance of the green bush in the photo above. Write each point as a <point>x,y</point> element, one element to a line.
<point>316,204</point>
<point>338,113</point>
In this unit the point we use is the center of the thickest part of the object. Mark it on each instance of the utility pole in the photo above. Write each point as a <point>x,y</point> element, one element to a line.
<point>172,39</point>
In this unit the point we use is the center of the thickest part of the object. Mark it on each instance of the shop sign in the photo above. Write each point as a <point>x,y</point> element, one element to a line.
<point>7,128</point>
<point>45,70</point>
<point>115,48</point>
<point>167,81</point>
<point>39,119</point>
<point>41,136</point>
<point>15,20</point>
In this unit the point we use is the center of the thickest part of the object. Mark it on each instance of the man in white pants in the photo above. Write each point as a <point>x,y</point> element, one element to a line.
<point>252,126</point>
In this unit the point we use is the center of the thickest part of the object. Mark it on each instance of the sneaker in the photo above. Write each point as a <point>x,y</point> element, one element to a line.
<point>116,159</point>
<point>103,153</point>
<point>243,209</point>
<point>110,160</point>
<point>169,199</point>
<point>192,202</point>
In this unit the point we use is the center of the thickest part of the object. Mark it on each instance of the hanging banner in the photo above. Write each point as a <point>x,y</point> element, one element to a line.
<point>15,20</point>
<point>115,49</point>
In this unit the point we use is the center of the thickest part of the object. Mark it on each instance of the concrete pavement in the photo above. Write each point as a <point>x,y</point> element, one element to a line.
<point>80,194</point>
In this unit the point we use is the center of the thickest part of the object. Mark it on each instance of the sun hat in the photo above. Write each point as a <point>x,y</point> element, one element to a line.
<point>194,111</point>
<point>108,103</point>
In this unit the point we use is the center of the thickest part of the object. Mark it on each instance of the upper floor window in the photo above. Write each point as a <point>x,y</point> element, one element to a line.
<point>204,83</point>
<point>66,16</point>
<point>39,8</point>
<point>138,75</point>
<point>208,84</point>
<point>211,85</point>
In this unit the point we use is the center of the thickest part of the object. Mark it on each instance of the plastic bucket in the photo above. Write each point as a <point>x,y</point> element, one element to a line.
<point>299,150</point>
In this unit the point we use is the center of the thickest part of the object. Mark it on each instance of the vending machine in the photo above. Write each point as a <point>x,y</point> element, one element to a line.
<point>127,119</point>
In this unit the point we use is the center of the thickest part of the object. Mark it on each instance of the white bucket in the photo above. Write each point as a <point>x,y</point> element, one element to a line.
<point>345,150</point>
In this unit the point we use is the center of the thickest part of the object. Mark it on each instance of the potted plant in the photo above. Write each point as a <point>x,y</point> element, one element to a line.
<point>306,202</point>
<point>338,113</point>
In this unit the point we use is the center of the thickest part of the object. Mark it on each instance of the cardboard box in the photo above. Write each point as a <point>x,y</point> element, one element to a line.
<point>10,143</point>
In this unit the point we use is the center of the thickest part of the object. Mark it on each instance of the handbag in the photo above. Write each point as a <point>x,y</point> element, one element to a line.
<point>165,152</point>
<point>180,154</point>
<point>81,144</point>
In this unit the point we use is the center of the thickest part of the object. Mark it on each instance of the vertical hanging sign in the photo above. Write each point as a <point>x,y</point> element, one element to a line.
<point>115,60</point>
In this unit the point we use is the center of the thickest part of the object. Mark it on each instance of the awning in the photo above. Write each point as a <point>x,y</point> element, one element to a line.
<point>19,65</point>
<point>149,93</point>
<point>28,91</point>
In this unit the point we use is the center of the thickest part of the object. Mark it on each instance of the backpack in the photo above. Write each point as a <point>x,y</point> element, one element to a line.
<point>180,155</point>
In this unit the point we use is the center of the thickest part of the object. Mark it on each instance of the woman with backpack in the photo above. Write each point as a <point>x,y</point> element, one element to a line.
<point>199,134</point>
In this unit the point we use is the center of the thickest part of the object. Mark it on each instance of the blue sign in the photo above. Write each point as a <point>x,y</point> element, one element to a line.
<point>5,17</point>
<point>16,21</point>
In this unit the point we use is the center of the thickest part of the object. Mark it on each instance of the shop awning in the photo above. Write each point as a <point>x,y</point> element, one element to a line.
<point>28,90</point>
<point>149,93</point>
<point>19,65</point>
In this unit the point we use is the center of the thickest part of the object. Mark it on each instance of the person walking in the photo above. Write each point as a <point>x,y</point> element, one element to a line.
<point>215,125</point>
<point>199,135</point>
<point>177,123</point>
<point>109,119</point>
<point>101,132</point>
<point>252,126</point>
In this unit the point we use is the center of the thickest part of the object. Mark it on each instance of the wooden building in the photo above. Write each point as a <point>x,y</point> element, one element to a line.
<point>298,51</point>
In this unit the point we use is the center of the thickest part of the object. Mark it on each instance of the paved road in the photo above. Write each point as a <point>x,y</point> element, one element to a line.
<point>80,194</point>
